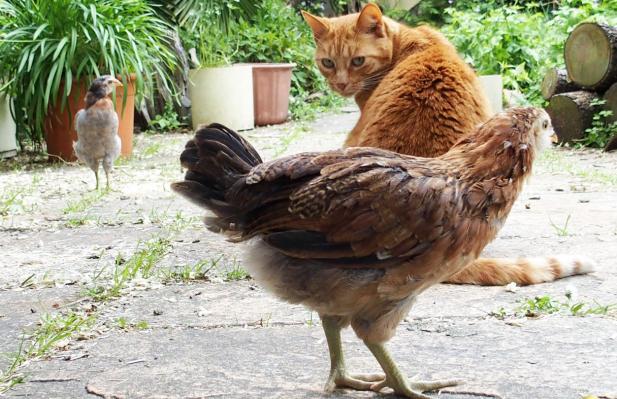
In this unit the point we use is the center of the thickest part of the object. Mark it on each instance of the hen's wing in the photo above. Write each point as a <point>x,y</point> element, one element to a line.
<point>352,207</point>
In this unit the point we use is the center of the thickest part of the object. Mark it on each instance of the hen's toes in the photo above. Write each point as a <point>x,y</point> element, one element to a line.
<point>414,389</point>
<point>359,382</point>
<point>426,386</point>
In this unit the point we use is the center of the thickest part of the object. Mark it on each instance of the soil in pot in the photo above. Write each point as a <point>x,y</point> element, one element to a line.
<point>59,126</point>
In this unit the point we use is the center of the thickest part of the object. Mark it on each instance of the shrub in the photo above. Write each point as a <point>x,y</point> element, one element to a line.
<point>520,43</point>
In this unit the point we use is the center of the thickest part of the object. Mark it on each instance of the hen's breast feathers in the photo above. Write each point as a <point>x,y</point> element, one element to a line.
<point>359,207</point>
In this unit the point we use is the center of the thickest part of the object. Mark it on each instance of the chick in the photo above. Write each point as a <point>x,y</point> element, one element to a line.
<point>97,128</point>
<point>357,234</point>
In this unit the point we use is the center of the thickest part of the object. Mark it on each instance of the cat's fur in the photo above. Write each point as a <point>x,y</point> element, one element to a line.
<point>417,97</point>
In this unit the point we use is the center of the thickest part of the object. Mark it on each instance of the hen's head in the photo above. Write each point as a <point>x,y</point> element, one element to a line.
<point>540,133</point>
<point>104,85</point>
<point>526,128</point>
<point>506,144</point>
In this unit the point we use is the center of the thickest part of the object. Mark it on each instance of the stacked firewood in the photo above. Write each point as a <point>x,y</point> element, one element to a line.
<point>590,75</point>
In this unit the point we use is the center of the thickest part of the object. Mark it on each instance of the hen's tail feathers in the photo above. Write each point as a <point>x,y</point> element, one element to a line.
<point>522,271</point>
<point>216,158</point>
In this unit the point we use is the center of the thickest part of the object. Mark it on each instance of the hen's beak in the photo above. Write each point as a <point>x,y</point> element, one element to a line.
<point>116,83</point>
<point>554,138</point>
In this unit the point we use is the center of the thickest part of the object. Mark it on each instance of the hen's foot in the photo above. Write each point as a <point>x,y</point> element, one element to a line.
<point>338,376</point>
<point>399,382</point>
<point>413,389</point>
<point>361,382</point>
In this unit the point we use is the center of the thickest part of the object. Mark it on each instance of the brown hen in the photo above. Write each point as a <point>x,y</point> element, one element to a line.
<point>356,234</point>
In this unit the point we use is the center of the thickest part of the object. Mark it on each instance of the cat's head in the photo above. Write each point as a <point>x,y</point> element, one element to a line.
<point>353,51</point>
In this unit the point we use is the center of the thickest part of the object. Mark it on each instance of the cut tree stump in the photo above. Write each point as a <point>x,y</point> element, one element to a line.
<point>591,56</point>
<point>556,81</point>
<point>571,113</point>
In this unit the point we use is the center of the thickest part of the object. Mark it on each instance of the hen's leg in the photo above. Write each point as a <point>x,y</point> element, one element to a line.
<point>338,376</point>
<point>96,175</point>
<point>399,382</point>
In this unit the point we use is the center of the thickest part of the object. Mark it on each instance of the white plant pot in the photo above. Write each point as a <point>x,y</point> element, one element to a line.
<point>223,95</point>
<point>493,88</point>
<point>8,144</point>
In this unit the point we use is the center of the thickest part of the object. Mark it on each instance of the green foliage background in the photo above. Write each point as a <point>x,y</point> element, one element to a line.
<point>518,39</point>
<point>274,33</point>
<point>520,42</point>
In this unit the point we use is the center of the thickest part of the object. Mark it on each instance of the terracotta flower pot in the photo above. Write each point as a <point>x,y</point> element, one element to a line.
<point>60,130</point>
<point>271,85</point>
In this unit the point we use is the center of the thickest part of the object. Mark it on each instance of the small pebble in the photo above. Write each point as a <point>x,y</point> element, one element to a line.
<point>157,312</point>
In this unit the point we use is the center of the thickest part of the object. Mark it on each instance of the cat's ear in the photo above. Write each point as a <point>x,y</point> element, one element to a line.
<point>370,20</point>
<point>317,24</point>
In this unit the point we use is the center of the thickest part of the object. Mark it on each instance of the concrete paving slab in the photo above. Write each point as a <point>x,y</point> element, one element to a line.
<point>231,339</point>
<point>21,309</point>
<point>553,357</point>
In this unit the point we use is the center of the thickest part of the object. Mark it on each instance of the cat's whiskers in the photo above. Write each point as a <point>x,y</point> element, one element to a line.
<point>373,80</point>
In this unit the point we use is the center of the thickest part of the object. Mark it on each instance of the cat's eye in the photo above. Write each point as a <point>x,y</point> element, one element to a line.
<point>545,124</point>
<point>357,61</point>
<point>327,62</point>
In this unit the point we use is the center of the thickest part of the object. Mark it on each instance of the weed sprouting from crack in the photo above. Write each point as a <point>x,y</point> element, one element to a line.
<point>53,331</point>
<point>562,231</point>
<point>86,201</point>
<point>140,264</point>
<point>237,272</point>
<point>13,199</point>
<point>124,324</point>
<point>197,271</point>
<point>546,305</point>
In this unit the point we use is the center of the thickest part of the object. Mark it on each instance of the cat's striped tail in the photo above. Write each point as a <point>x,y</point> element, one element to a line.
<point>522,271</point>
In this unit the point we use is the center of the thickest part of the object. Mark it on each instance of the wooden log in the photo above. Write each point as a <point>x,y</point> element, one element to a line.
<point>611,104</point>
<point>611,145</point>
<point>591,56</point>
<point>611,101</point>
<point>571,113</point>
<point>556,81</point>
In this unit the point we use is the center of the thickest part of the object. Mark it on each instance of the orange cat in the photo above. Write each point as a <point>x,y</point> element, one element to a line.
<point>417,97</point>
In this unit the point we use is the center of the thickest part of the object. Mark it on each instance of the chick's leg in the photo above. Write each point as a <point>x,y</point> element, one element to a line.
<point>398,381</point>
<point>338,376</point>
<point>107,166</point>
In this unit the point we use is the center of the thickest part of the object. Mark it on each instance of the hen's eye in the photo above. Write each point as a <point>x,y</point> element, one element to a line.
<point>357,61</point>
<point>327,62</point>
<point>545,124</point>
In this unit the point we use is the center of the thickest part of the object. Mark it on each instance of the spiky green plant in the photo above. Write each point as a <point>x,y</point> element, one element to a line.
<point>220,12</point>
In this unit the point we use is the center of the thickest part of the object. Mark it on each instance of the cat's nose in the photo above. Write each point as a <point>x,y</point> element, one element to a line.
<point>341,86</point>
